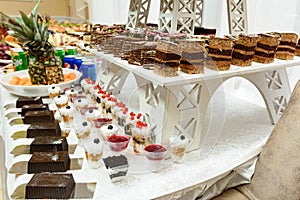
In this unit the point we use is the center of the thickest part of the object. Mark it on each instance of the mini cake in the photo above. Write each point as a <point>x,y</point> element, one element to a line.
<point>178,147</point>
<point>148,54</point>
<point>80,103</point>
<point>21,101</point>
<point>61,101</point>
<point>243,50</point>
<point>266,47</point>
<point>67,115</point>
<point>118,45</point>
<point>39,116</point>
<point>117,167</point>
<point>141,134</point>
<point>192,57</point>
<point>83,129</point>
<point>287,46</point>
<point>48,144</point>
<point>109,104</point>
<point>219,53</point>
<point>49,162</point>
<point>297,51</point>
<point>167,58</point>
<point>33,107</point>
<point>93,147</point>
<point>44,129</point>
<point>54,91</point>
<point>50,186</point>
<point>107,130</point>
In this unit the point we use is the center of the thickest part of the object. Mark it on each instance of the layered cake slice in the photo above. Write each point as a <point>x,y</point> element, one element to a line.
<point>135,57</point>
<point>117,167</point>
<point>210,32</point>
<point>192,57</point>
<point>219,53</point>
<point>297,51</point>
<point>49,162</point>
<point>266,47</point>
<point>50,186</point>
<point>167,58</point>
<point>148,53</point>
<point>44,129</point>
<point>243,50</point>
<point>287,46</point>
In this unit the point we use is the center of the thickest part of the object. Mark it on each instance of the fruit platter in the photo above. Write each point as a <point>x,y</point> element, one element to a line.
<point>18,83</point>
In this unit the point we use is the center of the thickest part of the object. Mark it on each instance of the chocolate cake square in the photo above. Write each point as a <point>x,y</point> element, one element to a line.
<point>44,129</point>
<point>21,101</point>
<point>49,144</point>
<point>117,167</point>
<point>39,116</point>
<point>49,162</point>
<point>33,107</point>
<point>50,186</point>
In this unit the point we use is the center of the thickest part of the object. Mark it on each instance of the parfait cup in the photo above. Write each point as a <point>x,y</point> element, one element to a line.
<point>179,144</point>
<point>118,142</point>
<point>155,154</point>
<point>93,146</point>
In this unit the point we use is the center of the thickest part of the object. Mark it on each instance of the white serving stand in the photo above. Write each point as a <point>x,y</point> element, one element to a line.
<point>178,104</point>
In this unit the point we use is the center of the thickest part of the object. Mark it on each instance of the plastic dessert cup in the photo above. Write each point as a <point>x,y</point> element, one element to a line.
<point>93,151</point>
<point>118,142</point>
<point>155,152</point>
<point>98,122</point>
<point>179,145</point>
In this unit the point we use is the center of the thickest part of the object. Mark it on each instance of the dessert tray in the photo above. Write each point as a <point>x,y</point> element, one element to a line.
<point>34,91</point>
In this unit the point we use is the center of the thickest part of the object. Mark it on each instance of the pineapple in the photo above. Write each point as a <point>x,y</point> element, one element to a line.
<point>32,31</point>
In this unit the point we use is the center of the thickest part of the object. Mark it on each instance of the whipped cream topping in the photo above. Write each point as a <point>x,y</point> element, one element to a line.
<point>145,130</point>
<point>179,140</point>
<point>66,111</point>
<point>81,102</point>
<point>93,114</point>
<point>108,129</point>
<point>54,90</point>
<point>93,144</point>
<point>61,99</point>
<point>83,128</point>
<point>71,92</point>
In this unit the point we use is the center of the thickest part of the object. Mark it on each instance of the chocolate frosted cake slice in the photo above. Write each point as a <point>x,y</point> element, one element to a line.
<point>117,167</point>
<point>40,116</point>
<point>49,162</point>
<point>44,129</point>
<point>48,144</point>
<point>287,46</point>
<point>219,53</point>
<point>266,48</point>
<point>193,56</point>
<point>21,101</point>
<point>50,186</point>
<point>148,53</point>
<point>243,50</point>
<point>33,107</point>
<point>297,51</point>
<point>167,58</point>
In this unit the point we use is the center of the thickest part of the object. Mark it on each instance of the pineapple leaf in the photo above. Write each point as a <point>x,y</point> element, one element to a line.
<point>17,29</point>
<point>35,9</point>
<point>28,32</point>
<point>19,20</point>
<point>37,36</point>
<point>26,20</point>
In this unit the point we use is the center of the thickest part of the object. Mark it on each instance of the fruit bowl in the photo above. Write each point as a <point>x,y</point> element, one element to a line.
<point>34,90</point>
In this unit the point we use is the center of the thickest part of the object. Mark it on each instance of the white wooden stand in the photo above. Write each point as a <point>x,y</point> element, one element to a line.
<point>138,13</point>
<point>237,16</point>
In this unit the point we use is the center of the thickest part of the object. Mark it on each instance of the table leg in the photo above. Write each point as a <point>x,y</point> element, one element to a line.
<point>275,89</point>
<point>111,77</point>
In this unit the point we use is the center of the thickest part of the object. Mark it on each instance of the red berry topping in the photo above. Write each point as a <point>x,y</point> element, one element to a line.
<point>139,116</point>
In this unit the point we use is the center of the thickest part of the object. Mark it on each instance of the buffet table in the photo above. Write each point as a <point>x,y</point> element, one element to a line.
<point>178,104</point>
<point>230,163</point>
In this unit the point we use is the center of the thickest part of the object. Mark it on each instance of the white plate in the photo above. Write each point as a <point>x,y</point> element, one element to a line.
<point>34,91</point>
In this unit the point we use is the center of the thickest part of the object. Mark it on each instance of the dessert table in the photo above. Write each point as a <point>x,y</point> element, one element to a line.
<point>178,104</point>
<point>230,163</point>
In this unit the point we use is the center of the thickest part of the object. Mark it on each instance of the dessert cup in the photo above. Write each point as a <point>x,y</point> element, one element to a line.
<point>67,115</point>
<point>179,145</point>
<point>93,147</point>
<point>155,154</point>
<point>54,91</point>
<point>61,101</point>
<point>118,142</point>
<point>141,134</point>
<point>107,130</point>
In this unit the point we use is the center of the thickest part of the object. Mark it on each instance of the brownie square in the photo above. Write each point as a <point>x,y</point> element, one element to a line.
<point>44,129</point>
<point>33,107</point>
<point>49,144</point>
<point>49,162</point>
<point>50,186</point>
<point>21,101</point>
<point>39,116</point>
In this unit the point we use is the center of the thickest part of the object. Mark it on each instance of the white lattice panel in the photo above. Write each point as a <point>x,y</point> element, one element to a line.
<point>199,12</point>
<point>237,16</point>
<point>138,13</point>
